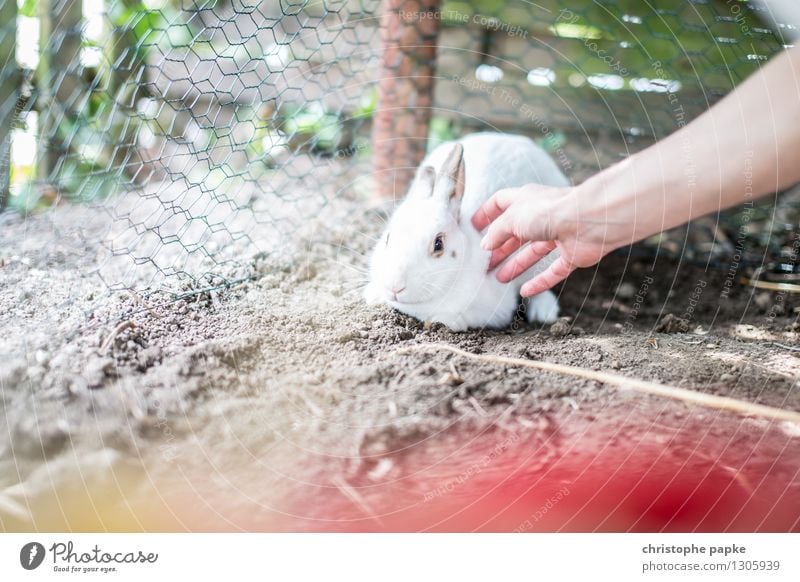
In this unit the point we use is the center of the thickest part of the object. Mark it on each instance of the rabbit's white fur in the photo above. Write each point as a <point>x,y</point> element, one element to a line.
<point>454,287</point>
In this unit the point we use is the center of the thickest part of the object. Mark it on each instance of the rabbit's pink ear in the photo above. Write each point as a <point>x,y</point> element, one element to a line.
<point>452,174</point>
<point>423,183</point>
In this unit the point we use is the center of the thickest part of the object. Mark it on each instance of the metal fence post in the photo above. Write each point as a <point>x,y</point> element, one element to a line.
<point>409,35</point>
<point>9,91</point>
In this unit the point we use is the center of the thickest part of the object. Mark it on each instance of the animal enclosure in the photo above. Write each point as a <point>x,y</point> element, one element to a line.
<point>205,133</point>
<point>189,193</point>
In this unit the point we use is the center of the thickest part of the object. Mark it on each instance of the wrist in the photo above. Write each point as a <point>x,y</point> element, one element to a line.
<point>602,210</point>
<point>629,199</point>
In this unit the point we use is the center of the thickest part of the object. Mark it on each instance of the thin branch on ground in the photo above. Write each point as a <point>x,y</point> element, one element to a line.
<point>616,380</point>
<point>122,326</point>
<point>785,347</point>
<point>355,497</point>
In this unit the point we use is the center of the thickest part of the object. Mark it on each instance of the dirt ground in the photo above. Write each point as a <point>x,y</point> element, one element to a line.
<point>285,403</point>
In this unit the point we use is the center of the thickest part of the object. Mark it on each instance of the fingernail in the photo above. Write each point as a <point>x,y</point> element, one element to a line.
<point>485,244</point>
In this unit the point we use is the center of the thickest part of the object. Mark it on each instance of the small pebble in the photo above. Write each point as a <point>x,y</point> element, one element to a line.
<point>626,290</point>
<point>561,328</point>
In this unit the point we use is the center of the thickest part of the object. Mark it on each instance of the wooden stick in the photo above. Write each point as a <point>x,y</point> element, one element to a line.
<point>688,396</point>
<point>790,287</point>
<point>107,343</point>
<point>356,498</point>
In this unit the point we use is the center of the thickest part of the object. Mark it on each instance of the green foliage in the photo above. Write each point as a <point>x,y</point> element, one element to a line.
<point>313,126</point>
<point>148,27</point>
<point>553,141</point>
<point>88,170</point>
<point>684,37</point>
<point>367,105</point>
<point>29,8</point>
<point>441,129</point>
<point>28,199</point>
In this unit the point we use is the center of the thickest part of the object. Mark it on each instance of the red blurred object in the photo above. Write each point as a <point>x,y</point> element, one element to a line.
<point>714,474</point>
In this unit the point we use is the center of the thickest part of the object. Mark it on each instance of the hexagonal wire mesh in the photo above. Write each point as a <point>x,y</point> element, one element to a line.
<point>207,131</point>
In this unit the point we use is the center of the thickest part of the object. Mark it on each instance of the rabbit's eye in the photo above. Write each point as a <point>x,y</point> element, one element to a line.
<point>438,245</point>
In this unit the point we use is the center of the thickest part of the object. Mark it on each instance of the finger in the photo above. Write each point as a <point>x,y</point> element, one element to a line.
<point>505,251</point>
<point>554,274</point>
<point>524,260</point>
<point>494,207</point>
<point>500,231</point>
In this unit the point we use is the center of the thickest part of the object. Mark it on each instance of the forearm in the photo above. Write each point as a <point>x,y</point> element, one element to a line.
<point>746,146</point>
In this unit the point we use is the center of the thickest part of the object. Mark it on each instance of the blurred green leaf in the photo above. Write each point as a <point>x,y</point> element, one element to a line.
<point>29,8</point>
<point>570,30</point>
<point>367,104</point>
<point>552,141</point>
<point>440,131</point>
<point>314,126</point>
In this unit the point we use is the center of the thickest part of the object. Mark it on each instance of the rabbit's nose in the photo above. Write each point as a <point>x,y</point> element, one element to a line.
<point>395,290</point>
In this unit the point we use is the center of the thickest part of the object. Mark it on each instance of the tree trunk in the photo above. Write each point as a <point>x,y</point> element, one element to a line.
<point>60,85</point>
<point>409,34</point>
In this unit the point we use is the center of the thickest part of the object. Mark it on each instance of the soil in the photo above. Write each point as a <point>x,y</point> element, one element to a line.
<point>285,403</point>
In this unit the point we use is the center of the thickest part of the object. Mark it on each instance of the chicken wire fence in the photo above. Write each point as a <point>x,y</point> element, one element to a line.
<point>206,133</point>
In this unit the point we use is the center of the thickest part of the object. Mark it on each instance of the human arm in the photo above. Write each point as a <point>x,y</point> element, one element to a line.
<point>745,146</point>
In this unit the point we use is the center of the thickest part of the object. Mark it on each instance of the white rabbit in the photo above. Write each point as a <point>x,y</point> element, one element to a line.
<point>429,263</point>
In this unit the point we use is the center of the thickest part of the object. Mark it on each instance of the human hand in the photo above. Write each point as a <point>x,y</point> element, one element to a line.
<point>648,192</point>
<point>529,223</point>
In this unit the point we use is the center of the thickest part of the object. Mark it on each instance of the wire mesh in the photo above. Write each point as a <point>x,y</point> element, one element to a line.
<point>207,133</point>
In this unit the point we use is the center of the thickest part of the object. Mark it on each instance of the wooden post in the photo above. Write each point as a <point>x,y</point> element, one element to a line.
<point>9,91</point>
<point>124,82</point>
<point>60,83</point>
<point>409,35</point>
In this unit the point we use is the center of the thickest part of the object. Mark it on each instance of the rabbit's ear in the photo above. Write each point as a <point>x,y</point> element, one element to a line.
<point>423,183</point>
<point>451,177</point>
